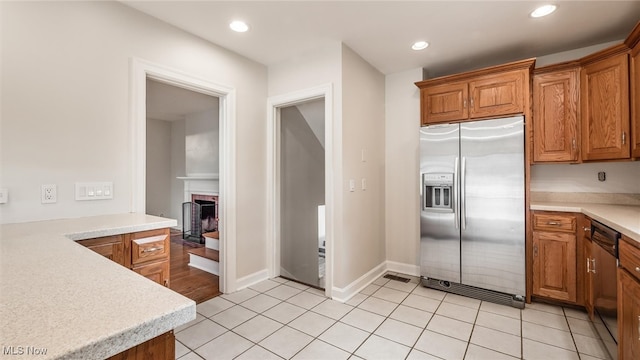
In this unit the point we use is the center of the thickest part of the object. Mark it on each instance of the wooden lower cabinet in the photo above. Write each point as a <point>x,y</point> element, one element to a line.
<point>628,316</point>
<point>554,265</point>
<point>158,272</point>
<point>159,348</point>
<point>145,252</point>
<point>111,247</point>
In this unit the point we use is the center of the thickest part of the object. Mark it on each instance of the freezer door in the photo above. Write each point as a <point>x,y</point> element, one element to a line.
<point>439,226</point>
<point>492,208</point>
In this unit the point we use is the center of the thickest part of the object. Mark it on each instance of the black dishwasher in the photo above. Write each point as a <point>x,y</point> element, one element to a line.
<point>605,295</point>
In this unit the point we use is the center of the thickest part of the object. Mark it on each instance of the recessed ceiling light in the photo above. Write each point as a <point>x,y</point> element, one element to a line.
<point>543,10</point>
<point>420,45</point>
<point>239,26</point>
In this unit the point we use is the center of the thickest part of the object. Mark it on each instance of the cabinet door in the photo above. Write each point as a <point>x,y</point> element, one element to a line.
<point>158,272</point>
<point>111,247</point>
<point>444,103</point>
<point>635,101</point>
<point>159,348</point>
<point>496,95</point>
<point>605,109</point>
<point>588,278</point>
<point>554,265</point>
<point>628,317</point>
<point>555,117</point>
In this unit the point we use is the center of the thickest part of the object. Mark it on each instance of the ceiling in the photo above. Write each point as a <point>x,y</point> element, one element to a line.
<point>171,103</point>
<point>463,34</point>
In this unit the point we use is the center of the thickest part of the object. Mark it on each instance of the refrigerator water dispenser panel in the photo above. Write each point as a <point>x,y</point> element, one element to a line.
<point>438,191</point>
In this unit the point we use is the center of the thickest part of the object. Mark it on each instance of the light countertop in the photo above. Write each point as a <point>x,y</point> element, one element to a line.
<point>60,296</point>
<point>623,218</point>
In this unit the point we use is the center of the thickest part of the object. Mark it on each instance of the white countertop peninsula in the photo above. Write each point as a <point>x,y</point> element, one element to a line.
<point>60,296</point>
<point>623,218</point>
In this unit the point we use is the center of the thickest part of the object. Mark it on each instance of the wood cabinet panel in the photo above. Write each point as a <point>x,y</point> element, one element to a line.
<point>635,101</point>
<point>444,103</point>
<point>111,247</point>
<point>555,116</point>
<point>158,272</point>
<point>554,265</point>
<point>497,95</point>
<point>629,257</point>
<point>628,316</point>
<point>585,265</point>
<point>549,221</point>
<point>604,97</point>
<point>159,348</point>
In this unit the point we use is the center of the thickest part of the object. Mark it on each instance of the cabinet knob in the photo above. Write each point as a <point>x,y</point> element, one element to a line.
<point>166,283</point>
<point>637,269</point>
<point>535,250</point>
<point>586,229</point>
<point>465,103</point>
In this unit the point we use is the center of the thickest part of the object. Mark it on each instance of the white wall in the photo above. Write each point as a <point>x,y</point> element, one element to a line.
<point>622,177</point>
<point>71,59</point>
<point>363,245</point>
<point>202,143</point>
<point>573,54</point>
<point>402,124</point>
<point>158,198</point>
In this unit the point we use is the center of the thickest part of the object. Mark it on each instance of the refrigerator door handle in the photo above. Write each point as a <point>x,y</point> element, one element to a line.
<point>463,209</point>
<point>456,210</point>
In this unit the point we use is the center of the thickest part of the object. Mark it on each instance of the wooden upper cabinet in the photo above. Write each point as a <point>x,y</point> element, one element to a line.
<point>497,95</point>
<point>633,41</point>
<point>555,114</point>
<point>444,103</point>
<point>492,92</point>
<point>604,95</point>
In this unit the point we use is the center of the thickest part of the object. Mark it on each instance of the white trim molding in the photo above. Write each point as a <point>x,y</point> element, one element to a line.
<point>141,70</point>
<point>347,292</point>
<point>252,279</point>
<point>402,268</point>
<point>274,104</point>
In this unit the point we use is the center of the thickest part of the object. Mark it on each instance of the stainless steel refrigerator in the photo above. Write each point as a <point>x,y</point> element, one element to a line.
<point>472,218</point>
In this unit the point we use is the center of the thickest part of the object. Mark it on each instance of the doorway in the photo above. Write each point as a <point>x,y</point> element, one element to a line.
<point>182,170</point>
<point>141,71</point>
<point>301,164</point>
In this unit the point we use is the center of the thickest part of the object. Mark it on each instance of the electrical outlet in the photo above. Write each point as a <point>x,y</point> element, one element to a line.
<point>49,194</point>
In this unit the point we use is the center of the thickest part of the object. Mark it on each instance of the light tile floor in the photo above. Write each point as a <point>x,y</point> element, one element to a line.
<point>280,319</point>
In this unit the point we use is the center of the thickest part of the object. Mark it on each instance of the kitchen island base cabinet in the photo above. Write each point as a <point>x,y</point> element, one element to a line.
<point>111,247</point>
<point>158,272</point>
<point>144,252</point>
<point>159,348</point>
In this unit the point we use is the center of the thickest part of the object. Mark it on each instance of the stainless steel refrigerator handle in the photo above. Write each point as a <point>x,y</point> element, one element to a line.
<point>456,212</point>
<point>463,209</point>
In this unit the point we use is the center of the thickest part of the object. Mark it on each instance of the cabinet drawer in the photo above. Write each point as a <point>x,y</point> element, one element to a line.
<point>149,246</point>
<point>554,222</point>
<point>157,272</point>
<point>629,257</point>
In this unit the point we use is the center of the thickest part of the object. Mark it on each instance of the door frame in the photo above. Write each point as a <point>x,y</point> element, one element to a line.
<point>274,104</point>
<point>141,70</point>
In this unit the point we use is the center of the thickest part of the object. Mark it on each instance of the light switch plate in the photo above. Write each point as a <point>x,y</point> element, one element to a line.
<point>94,190</point>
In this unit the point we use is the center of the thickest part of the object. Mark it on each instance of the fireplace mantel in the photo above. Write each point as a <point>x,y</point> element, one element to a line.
<point>205,184</point>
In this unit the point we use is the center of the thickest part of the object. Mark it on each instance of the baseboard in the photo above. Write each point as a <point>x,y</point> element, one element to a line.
<point>403,268</point>
<point>252,279</point>
<point>210,266</point>
<point>347,292</point>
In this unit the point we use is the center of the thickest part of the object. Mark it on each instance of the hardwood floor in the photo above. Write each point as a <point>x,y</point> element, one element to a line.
<point>193,283</point>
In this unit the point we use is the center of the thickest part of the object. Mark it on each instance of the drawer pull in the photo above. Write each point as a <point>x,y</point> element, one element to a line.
<point>148,250</point>
<point>554,223</point>
<point>586,229</point>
